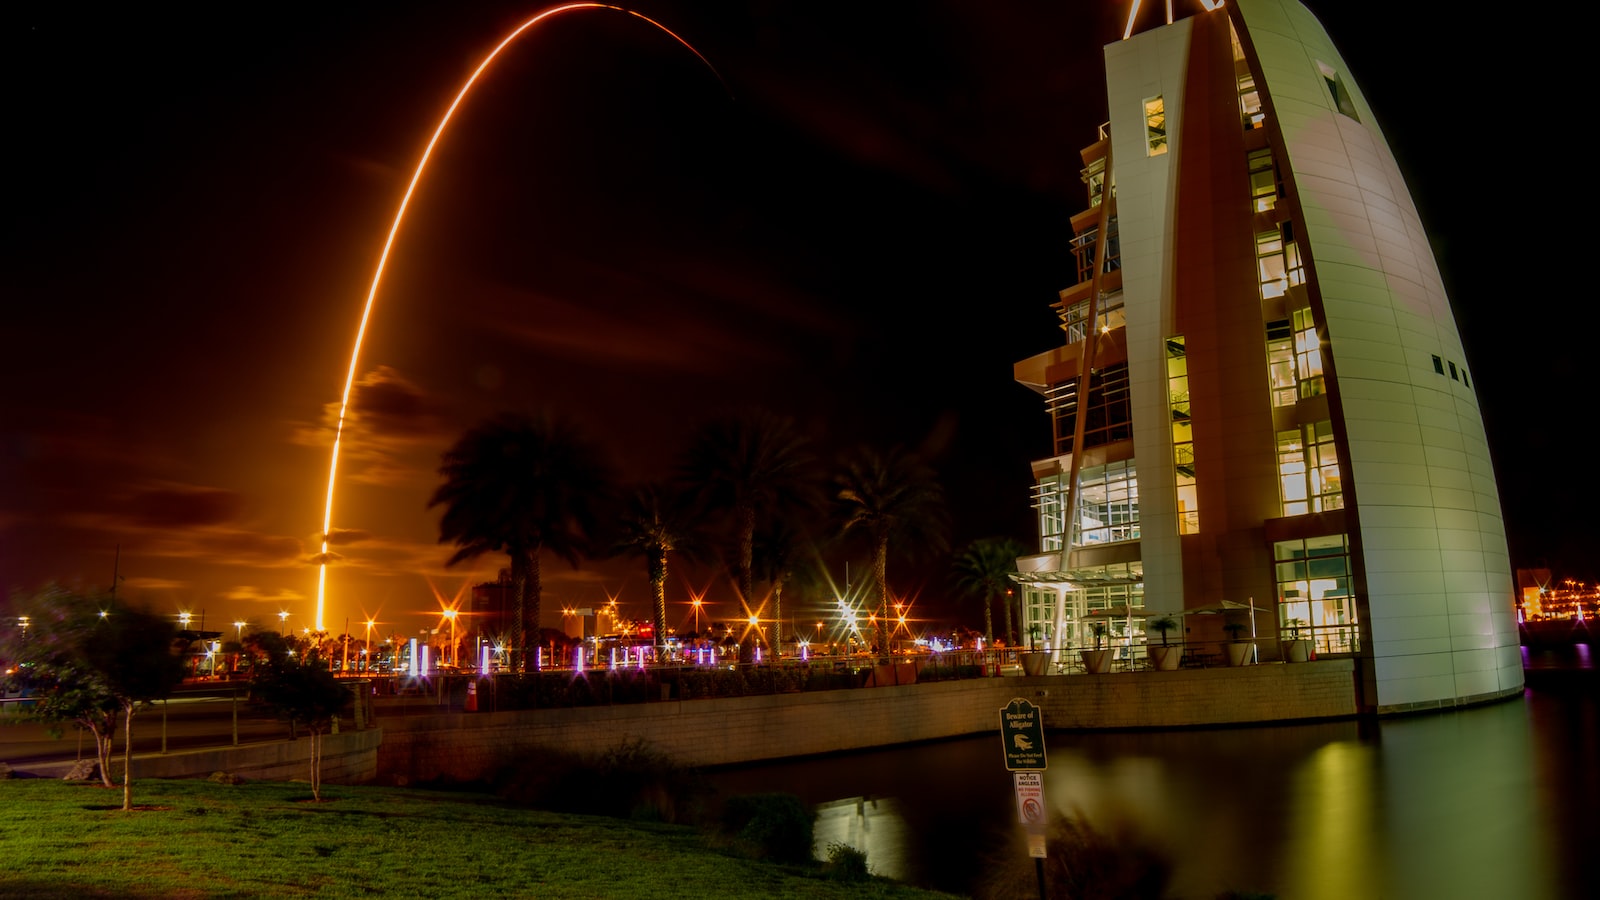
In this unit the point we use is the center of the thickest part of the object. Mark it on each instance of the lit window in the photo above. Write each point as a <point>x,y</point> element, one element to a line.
<point>1307,354</point>
<point>1278,257</point>
<point>1309,479</point>
<point>1182,436</point>
<point>1281,379</point>
<point>1155,126</point>
<point>1315,594</point>
<point>1108,505</point>
<point>1250,102</point>
<point>1263,181</point>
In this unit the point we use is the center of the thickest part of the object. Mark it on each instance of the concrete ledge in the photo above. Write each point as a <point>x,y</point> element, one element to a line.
<point>349,757</point>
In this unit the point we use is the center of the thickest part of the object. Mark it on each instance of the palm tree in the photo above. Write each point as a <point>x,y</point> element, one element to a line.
<point>519,485</point>
<point>983,572</point>
<point>753,466</point>
<point>892,498</point>
<point>652,525</point>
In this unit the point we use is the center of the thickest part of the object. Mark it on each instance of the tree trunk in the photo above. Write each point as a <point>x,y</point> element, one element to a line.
<point>316,764</point>
<point>105,734</point>
<point>880,575</point>
<point>747,545</point>
<point>535,593</point>
<point>1011,631</point>
<point>777,617</point>
<point>658,589</point>
<point>517,651</point>
<point>988,621</point>
<point>127,759</point>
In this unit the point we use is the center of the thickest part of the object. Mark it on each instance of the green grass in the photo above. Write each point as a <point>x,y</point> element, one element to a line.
<point>192,838</point>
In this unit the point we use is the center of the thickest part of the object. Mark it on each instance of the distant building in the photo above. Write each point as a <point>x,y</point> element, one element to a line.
<point>1262,409</point>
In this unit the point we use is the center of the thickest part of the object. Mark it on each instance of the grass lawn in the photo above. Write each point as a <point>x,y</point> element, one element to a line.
<point>194,838</point>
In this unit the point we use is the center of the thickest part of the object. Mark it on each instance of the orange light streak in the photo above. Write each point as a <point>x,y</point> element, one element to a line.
<point>394,231</point>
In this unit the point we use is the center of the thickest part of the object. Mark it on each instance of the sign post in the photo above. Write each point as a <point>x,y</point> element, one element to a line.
<point>1022,739</point>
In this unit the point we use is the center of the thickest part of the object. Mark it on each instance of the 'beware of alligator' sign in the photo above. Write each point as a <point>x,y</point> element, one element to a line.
<point>1022,732</point>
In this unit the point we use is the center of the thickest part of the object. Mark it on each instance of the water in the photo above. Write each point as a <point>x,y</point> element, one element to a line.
<point>1499,801</point>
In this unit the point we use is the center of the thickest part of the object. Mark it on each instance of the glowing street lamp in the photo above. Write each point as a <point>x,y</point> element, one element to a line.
<point>698,602</point>
<point>283,619</point>
<point>367,660</point>
<point>238,631</point>
<point>451,615</point>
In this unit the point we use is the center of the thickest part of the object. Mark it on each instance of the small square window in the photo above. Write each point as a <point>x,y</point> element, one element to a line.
<point>1438,365</point>
<point>1342,100</point>
<point>1453,376</point>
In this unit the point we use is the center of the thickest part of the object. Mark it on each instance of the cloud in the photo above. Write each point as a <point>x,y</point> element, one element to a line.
<point>181,506</point>
<point>392,426</point>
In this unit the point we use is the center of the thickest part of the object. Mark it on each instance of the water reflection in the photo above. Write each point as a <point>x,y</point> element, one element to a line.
<point>1495,801</point>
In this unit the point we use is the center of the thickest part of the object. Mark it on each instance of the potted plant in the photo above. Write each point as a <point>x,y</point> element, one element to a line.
<point>1296,648</point>
<point>1098,660</point>
<point>1238,651</point>
<point>1165,657</point>
<point>1034,660</point>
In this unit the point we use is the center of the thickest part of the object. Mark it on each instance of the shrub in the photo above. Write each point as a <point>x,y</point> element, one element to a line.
<point>770,826</point>
<point>846,863</point>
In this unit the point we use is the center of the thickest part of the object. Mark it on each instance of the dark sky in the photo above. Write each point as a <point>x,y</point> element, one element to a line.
<point>862,222</point>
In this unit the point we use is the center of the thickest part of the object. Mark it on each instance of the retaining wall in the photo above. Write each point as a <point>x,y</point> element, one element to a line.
<point>468,746</point>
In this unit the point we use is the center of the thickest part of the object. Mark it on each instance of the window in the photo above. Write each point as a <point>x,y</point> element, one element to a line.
<point>1188,495</point>
<point>1309,479</point>
<point>1112,315</point>
<point>1085,246</point>
<point>1250,102</point>
<point>1109,409</point>
<point>1155,126</point>
<point>1438,365</point>
<point>1049,499</point>
<point>1278,257</point>
<point>1281,379</point>
<point>1464,377</point>
<point>1264,189</point>
<point>1315,597</point>
<point>1108,505</point>
<point>1307,354</point>
<point>1342,100</point>
<point>1453,375</point>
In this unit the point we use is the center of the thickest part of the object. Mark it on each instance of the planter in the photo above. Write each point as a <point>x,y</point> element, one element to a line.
<point>1240,654</point>
<point>1165,659</point>
<point>1036,662</point>
<point>1096,662</point>
<point>1297,651</point>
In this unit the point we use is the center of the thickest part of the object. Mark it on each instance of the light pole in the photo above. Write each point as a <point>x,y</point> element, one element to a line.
<point>451,615</point>
<point>698,602</point>
<point>366,656</point>
<point>283,620</point>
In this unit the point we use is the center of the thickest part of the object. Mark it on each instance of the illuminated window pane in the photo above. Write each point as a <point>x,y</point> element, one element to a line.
<point>1155,126</point>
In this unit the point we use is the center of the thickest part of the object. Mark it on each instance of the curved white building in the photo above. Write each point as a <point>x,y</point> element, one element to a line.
<point>1280,414</point>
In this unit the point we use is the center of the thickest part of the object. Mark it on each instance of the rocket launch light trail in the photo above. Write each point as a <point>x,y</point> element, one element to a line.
<point>394,231</point>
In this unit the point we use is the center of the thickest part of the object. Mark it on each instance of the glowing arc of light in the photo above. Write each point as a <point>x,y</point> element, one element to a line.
<point>394,231</point>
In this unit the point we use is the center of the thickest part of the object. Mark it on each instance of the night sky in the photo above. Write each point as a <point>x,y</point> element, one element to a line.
<point>860,219</point>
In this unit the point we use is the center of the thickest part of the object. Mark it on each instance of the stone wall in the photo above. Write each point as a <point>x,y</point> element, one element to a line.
<point>468,746</point>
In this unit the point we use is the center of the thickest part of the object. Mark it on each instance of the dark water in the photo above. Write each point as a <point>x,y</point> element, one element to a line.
<point>1498,801</point>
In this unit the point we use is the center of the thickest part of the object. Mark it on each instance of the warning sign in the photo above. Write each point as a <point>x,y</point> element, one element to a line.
<point>1030,797</point>
<point>1022,732</point>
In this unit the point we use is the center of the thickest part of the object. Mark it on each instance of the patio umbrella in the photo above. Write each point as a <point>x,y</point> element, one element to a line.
<point>1227,606</point>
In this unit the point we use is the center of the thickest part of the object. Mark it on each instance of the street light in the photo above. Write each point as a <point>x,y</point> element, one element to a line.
<point>451,615</point>
<point>238,631</point>
<point>367,660</point>
<point>283,619</point>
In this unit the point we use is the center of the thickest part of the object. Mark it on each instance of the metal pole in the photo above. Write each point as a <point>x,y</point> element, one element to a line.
<point>163,726</point>
<point>1038,868</point>
<point>236,717</point>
